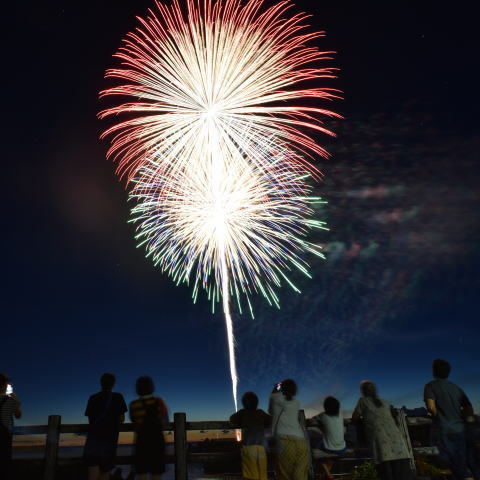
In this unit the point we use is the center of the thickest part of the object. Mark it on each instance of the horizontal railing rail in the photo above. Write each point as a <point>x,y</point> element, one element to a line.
<point>199,425</point>
<point>179,427</point>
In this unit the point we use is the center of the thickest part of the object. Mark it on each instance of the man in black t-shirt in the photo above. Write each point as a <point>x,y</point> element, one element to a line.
<point>105,412</point>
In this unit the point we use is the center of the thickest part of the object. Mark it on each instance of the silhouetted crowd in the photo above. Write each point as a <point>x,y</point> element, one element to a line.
<point>450,409</point>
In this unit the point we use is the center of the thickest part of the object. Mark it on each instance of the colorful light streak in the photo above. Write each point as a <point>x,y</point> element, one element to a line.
<point>214,149</point>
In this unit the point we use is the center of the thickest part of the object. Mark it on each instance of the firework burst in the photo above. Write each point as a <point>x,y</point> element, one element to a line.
<point>213,147</point>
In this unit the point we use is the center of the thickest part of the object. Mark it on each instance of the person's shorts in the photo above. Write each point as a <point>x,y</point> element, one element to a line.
<point>105,464</point>
<point>320,445</point>
<point>101,453</point>
<point>254,462</point>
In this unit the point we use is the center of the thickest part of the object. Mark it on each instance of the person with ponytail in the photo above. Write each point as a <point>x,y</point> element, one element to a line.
<point>293,461</point>
<point>384,438</point>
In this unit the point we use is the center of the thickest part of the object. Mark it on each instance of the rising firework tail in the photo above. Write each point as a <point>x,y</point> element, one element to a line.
<point>215,146</point>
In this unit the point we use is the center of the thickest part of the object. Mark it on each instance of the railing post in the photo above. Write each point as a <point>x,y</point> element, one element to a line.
<point>51,447</point>
<point>303,424</point>
<point>180,421</point>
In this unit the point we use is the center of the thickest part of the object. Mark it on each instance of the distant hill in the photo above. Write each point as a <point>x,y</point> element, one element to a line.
<point>415,412</point>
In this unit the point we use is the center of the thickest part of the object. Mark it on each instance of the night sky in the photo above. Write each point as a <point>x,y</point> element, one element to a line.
<point>401,281</point>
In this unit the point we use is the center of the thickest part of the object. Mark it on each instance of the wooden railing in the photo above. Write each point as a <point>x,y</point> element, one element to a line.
<point>179,426</point>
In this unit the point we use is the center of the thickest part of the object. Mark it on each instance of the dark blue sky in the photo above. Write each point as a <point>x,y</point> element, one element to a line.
<point>400,284</point>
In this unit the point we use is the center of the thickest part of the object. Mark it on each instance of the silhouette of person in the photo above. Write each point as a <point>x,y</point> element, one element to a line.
<point>330,422</point>
<point>149,414</point>
<point>9,408</point>
<point>384,438</point>
<point>450,408</point>
<point>105,411</point>
<point>293,460</point>
<point>253,422</point>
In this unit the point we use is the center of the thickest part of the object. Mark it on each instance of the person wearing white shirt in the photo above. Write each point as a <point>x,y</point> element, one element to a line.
<point>330,422</point>
<point>292,454</point>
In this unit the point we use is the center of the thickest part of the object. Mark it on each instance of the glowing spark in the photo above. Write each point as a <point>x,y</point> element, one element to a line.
<point>213,147</point>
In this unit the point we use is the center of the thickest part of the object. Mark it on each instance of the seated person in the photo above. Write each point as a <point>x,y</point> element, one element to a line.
<point>330,423</point>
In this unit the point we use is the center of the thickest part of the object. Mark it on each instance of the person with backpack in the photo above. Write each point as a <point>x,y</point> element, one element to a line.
<point>9,408</point>
<point>105,411</point>
<point>149,415</point>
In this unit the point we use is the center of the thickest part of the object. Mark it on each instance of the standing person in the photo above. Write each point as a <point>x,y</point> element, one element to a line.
<point>330,422</point>
<point>105,411</point>
<point>293,460</point>
<point>9,408</point>
<point>253,422</point>
<point>384,438</point>
<point>450,407</point>
<point>149,414</point>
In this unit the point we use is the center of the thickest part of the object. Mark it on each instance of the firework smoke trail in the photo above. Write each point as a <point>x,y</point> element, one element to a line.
<point>213,149</point>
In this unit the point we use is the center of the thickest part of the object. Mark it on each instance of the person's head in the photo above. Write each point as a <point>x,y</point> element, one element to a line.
<point>441,368</point>
<point>331,406</point>
<point>250,401</point>
<point>369,390</point>
<point>289,388</point>
<point>107,381</point>
<point>3,383</point>
<point>144,386</point>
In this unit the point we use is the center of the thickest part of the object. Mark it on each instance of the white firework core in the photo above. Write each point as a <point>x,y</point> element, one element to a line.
<point>214,149</point>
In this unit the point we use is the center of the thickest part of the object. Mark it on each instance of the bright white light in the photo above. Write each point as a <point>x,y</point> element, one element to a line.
<point>216,145</point>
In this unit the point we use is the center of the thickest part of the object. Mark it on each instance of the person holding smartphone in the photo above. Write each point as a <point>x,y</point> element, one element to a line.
<point>292,449</point>
<point>9,408</point>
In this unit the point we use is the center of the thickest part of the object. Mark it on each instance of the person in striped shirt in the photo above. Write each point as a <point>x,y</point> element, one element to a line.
<point>149,414</point>
<point>9,408</point>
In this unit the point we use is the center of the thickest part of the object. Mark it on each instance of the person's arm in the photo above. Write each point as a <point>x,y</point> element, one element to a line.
<point>319,424</point>
<point>467,409</point>
<point>88,410</point>
<point>270,405</point>
<point>18,411</point>
<point>235,419</point>
<point>267,419</point>
<point>275,398</point>
<point>356,416</point>
<point>431,407</point>
<point>316,425</point>
<point>123,408</point>
<point>357,413</point>
<point>163,410</point>
<point>429,398</point>
<point>130,413</point>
